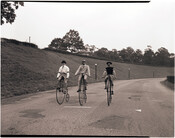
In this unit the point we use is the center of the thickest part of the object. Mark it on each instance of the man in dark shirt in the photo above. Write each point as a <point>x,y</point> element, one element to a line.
<point>109,71</point>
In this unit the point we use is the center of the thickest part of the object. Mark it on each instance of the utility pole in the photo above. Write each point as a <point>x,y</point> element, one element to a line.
<point>129,73</point>
<point>29,39</point>
<point>95,71</point>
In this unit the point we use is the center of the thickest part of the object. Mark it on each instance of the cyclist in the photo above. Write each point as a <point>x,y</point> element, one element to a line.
<point>63,72</point>
<point>83,70</point>
<point>109,71</point>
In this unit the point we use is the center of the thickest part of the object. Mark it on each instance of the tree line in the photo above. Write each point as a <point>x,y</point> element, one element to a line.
<point>73,43</point>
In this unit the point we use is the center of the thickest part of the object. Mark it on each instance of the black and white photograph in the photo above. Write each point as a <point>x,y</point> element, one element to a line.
<point>87,68</point>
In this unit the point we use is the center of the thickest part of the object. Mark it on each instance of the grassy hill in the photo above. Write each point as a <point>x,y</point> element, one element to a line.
<point>26,69</point>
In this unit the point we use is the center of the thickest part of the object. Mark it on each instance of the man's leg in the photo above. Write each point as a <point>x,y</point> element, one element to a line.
<point>85,81</point>
<point>65,81</point>
<point>106,78</point>
<point>112,78</point>
<point>58,85</point>
<point>79,79</point>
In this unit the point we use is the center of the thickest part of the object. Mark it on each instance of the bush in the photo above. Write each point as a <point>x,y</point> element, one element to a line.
<point>3,40</point>
<point>76,54</point>
<point>170,79</point>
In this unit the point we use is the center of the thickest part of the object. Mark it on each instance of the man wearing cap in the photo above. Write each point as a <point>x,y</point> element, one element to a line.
<point>82,70</point>
<point>109,71</point>
<point>63,72</point>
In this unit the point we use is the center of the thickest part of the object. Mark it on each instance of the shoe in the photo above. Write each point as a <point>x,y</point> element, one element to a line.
<point>85,88</point>
<point>112,92</point>
<point>78,90</point>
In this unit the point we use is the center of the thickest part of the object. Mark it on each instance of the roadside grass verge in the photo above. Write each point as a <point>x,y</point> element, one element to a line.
<point>168,84</point>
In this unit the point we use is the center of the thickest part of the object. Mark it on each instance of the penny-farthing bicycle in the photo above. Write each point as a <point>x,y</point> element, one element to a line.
<point>62,93</point>
<point>82,93</point>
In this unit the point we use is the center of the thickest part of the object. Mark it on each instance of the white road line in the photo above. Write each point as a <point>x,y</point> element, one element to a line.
<point>77,107</point>
<point>138,110</point>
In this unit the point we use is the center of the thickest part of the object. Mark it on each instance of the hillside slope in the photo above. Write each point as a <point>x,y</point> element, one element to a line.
<point>26,69</point>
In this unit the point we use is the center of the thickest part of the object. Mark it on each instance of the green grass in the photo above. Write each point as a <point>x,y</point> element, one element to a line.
<point>29,70</point>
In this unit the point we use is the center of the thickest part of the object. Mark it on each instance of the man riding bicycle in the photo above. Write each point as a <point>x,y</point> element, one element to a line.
<point>63,73</point>
<point>109,71</point>
<point>83,70</point>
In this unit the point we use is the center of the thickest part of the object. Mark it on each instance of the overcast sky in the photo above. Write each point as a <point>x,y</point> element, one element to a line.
<point>110,25</point>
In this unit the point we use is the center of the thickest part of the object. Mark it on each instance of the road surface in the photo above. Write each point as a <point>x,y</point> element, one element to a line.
<point>140,107</point>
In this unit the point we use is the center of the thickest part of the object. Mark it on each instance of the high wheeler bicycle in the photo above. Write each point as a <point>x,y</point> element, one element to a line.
<point>82,93</point>
<point>62,93</point>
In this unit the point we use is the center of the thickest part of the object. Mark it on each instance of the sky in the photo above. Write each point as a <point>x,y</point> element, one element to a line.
<point>110,25</point>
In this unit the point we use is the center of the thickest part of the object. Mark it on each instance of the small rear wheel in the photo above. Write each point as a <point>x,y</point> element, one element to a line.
<point>67,97</point>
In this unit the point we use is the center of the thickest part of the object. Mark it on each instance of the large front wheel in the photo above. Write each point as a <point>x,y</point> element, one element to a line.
<point>85,97</point>
<point>59,96</point>
<point>109,97</point>
<point>67,97</point>
<point>81,98</point>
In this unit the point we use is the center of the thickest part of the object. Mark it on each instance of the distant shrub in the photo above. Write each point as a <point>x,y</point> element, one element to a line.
<point>18,42</point>
<point>77,54</point>
<point>170,79</point>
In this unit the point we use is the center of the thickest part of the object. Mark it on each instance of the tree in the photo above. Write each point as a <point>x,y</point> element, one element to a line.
<point>148,56</point>
<point>172,57</point>
<point>8,11</point>
<point>73,41</point>
<point>114,55</point>
<point>123,55</point>
<point>130,54</point>
<point>138,56</point>
<point>89,49</point>
<point>162,57</point>
<point>57,43</point>
<point>103,52</point>
<point>92,48</point>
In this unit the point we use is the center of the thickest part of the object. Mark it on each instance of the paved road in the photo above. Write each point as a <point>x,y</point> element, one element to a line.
<point>141,107</point>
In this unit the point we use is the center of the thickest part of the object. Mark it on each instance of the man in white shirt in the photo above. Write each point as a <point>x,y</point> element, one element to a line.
<point>63,72</point>
<point>83,70</point>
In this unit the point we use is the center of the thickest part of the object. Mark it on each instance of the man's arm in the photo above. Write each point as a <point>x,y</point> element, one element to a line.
<point>59,72</point>
<point>88,71</point>
<point>68,70</point>
<point>78,70</point>
<point>104,74</point>
<point>115,75</point>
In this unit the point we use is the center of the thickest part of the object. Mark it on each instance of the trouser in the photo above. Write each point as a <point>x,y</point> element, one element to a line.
<point>112,78</point>
<point>65,81</point>
<point>79,81</point>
